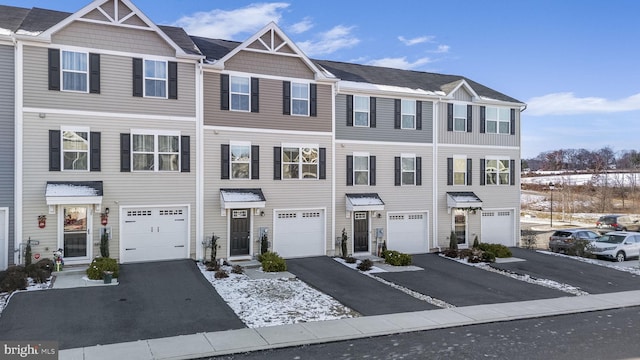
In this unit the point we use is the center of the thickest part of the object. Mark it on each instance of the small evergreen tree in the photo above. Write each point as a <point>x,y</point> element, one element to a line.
<point>104,245</point>
<point>343,243</point>
<point>264,243</point>
<point>453,241</point>
<point>27,254</point>
<point>214,247</point>
<point>476,242</point>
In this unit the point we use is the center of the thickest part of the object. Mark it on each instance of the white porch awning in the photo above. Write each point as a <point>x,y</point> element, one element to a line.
<point>242,198</point>
<point>73,192</point>
<point>364,202</point>
<point>463,200</point>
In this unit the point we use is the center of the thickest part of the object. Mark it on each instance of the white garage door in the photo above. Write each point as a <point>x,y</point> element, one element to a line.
<point>497,227</point>
<point>299,233</point>
<point>3,239</point>
<point>154,233</point>
<point>408,232</point>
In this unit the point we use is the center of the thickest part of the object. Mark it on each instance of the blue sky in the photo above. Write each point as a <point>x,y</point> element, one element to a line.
<point>574,63</point>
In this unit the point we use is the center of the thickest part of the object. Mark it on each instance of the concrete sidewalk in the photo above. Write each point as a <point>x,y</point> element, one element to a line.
<point>244,340</point>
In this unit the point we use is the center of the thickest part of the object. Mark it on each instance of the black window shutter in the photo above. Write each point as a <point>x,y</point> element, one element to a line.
<point>469,118</point>
<point>313,103</point>
<point>349,110</point>
<point>483,119</point>
<point>255,95</point>
<point>449,117</point>
<point>54,69</point>
<point>277,163</point>
<point>173,79</point>
<point>255,162</point>
<point>398,171</point>
<point>418,170</point>
<point>286,97</point>
<point>372,112</point>
<point>513,121</point>
<point>137,77</point>
<point>125,152</point>
<point>94,73</point>
<point>372,170</point>
<point>469,176</point>
<point>224,92</point>
<point>418,115</point>
<point>94,142</point>
<point>322,163</point>
<point>54,150</point>
<point>224,161</point>
<point>483,176</point>
<point>349,170</point>
<point>449,171</point>
<point>185,153</point>
<point>512,170</point>
<point>397,114</point>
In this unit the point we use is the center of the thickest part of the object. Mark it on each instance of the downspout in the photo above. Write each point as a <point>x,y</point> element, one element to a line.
<point>334,92</point>
<point>435,174</point>
<point>18,151</point>
<point>200,238</point>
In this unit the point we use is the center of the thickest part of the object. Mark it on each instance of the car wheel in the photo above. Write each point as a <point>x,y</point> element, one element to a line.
<point>620,256</point>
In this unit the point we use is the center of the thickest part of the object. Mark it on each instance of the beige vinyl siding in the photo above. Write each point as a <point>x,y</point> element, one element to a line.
<point>7,120</point>
<point>268,64</point>
<point>492,196</point>
<point>115,90</point>
<point>120,188</point>
<point>98,36</point>
<point>395,198</point>
<point>270,115</point>
<point>279,194</point>
<point>474,137</point>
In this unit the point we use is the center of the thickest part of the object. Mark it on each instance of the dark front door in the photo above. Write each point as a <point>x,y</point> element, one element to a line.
<point>239,232</point>
<point>360,232</point>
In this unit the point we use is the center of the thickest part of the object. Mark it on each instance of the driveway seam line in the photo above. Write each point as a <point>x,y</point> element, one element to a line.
<point>426,298</point>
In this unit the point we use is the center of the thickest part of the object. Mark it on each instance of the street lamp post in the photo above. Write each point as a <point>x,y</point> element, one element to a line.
<point>551,187</point>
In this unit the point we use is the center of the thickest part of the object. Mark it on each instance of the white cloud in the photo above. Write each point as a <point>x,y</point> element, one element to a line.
<point>400,63</point>
<point>414,41</point>
<point>568,104</point>
<point>442,49</point>
<point>340,37</point>
<point>302,26</point>
<point>221,24</point>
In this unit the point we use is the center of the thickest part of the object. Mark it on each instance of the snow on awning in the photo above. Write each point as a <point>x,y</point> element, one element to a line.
<point>242,198</point>
<point>73,192</point>
<point>463,200</point>
<point>364,202</point>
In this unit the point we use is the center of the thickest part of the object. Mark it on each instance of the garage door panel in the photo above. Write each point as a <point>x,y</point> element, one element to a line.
<point>408,232</point>
<point>299,233</point>
<point>150,234</point>
<point>497,227</point>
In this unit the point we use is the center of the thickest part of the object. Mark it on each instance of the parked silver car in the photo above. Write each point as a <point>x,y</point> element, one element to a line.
<point>563,240</point>
<point>617,245</point>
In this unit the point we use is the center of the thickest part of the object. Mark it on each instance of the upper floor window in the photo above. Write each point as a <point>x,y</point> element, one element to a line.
<point>75,149</point>
<point>408,169</point>
<point>240,93</point>
<point>498,120</point>
<point>408,114</point>
<point>361,111</point>
<point>155,78</point>
<point>299,99</point>
<point>155,152</point>
<point>361,169</point>
<point>459,171</point>
<point>75,74</point>
<point>299,162</point>
<point>240,160</point>
<point>459,117</point>
<point>497,172</point>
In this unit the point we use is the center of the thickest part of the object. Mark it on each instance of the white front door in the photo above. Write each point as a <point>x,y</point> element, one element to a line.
<point>75,240</point>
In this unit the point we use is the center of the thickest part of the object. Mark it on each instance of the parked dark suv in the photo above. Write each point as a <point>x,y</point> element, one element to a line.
<point>563,240</point>
<point>608,222</point>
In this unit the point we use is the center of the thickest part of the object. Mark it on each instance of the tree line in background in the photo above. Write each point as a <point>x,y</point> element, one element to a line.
<point>583,160</point>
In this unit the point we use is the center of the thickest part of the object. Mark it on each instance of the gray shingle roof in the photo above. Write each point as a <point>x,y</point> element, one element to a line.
<point>11,17</point>
<point>214,49</point>
<point>181,38</point>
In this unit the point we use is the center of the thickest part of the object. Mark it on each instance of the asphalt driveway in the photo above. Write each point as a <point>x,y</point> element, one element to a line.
<point>593,279</point>
<point>153,300</point>
<point>361,293</point>
<point>464,285</point>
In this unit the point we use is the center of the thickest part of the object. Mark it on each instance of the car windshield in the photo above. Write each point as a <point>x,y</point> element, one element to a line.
<point>562,233</point>
<point>612,239</point>
<point>609,220</point>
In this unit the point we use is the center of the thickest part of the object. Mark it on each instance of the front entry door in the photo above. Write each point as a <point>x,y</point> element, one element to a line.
<point>76,228</point>
<point>360,232</point>
<point>240,237</point>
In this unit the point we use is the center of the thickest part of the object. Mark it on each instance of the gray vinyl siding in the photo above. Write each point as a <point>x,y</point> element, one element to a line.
<point>492,196</point>
<point>266,64</point>
<point>97,36</point>
<point>120,188</point>
<point>474,137</point>
<point>384,130</point>
<point>462,95</point>
<point>115,93</point>
<point>270,115</point>
<point>7,119</point>
<point>279,194</point>
<point>395,198</point>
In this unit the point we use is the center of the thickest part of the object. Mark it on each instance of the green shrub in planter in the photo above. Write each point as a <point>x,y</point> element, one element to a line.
<point>12,279</point>
<point>500,251</point>
<point>396,258</point>
<point>272,262</point>
<point>101,264</point>
<point>488,256</point>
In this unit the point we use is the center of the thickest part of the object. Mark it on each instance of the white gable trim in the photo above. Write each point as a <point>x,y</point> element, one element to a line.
<point>463,83</point>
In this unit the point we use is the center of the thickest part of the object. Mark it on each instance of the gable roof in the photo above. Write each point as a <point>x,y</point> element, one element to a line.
<point>214,49</point>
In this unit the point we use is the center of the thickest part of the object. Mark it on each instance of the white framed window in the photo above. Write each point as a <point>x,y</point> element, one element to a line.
<point>240,156</point>
<point>408,120</point>
<point>498,120</point>
<point>459,117</point>
<point>300,162</point>
<point>497,171</point>
<point>460,225</point>
<point>361,169</point>
<point>408,169</point>
<point>459,170</point>
<point>240,93</point>
<point>299,99</point>
<point>75,71</point>
<point>75,148</point>
<point>155,151</point>
<point>155,78</point>
<point>361,111</point>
